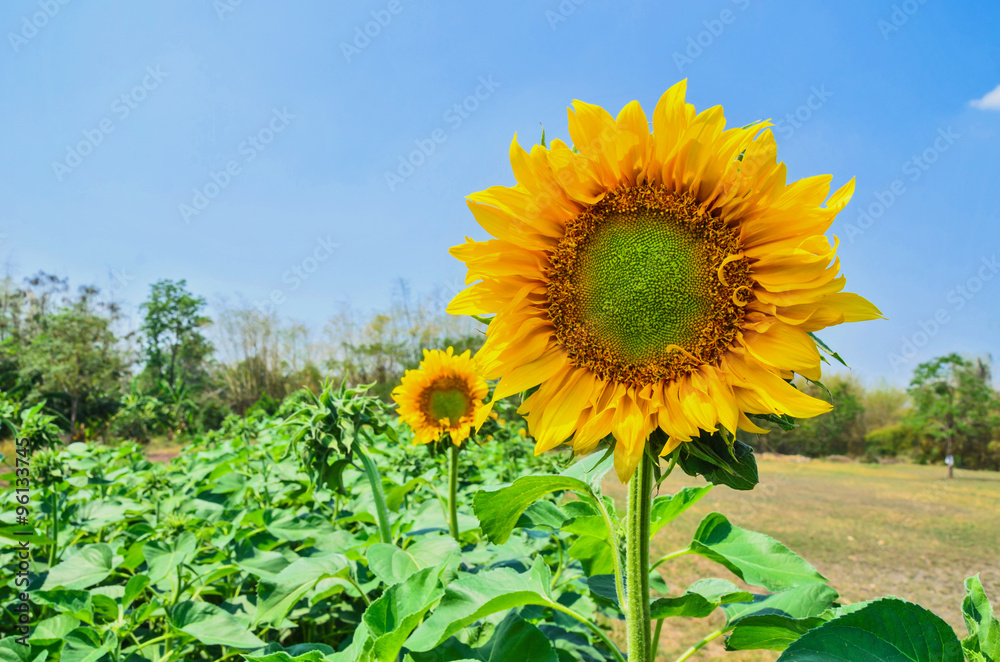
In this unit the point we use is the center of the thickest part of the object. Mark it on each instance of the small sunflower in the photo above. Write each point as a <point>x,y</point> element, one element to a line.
<point>445,394</point>
<point>667,278</point>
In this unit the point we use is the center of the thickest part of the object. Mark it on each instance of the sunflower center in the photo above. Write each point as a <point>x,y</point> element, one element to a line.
<point>446,398</point>
<point>645,286</point>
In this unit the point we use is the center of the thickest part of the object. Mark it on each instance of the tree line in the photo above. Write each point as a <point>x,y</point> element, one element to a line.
<point>182,370</point>
<point>72,356</point>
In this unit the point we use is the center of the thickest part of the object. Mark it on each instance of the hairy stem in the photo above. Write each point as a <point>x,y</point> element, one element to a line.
<point>638,629</point>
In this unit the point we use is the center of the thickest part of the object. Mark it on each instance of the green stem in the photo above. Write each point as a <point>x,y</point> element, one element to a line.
<point>368,603</point>
<point>671,555</point>
<point>638,630</point>
<point>655,645</point>
<point>453,493</point>
<point>698,646</point>
<point>54,550</point>
<point>150,642</point>
<point>385,531</point>
<point>616,557</point>
<point>593,628</point>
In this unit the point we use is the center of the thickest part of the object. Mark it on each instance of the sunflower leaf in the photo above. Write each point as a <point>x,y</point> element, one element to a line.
<point>826,348</point>
<point>983,626</point>
<point>756,558</point>
<point>886,630</point>
<point>721,464</point>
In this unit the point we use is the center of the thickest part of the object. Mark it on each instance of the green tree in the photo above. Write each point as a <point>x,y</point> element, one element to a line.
<point>174,346</point>
<point>839,432</point>
<point>73,355</point>
<point>955,406</point>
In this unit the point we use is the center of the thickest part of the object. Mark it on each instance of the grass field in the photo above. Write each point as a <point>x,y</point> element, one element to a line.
<point>872,530</point>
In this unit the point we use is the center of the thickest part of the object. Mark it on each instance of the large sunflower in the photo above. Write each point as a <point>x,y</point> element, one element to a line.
<point>654,279</point>
<point>445,394</point>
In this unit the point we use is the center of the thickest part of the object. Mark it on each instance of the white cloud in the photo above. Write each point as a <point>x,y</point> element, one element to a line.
<point>989,102</point>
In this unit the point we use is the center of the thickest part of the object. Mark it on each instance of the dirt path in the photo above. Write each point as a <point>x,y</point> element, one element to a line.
<point>162,456</point>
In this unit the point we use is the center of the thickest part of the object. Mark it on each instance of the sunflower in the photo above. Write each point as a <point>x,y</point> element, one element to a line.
<point>445,394</point>
<point>667,278</point>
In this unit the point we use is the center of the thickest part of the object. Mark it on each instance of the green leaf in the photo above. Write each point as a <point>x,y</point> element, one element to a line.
<point>983,626</point>
<point>700,599</point>
<point>212,625</point>
<point>54,629</point>
<point>886,630</point>
<point>591,469</point>
<point>755,558</point>
<point>806,601</point>
<point>163,557</point>
<point>513,640</point>
<point>11,651</point>
<point>591,547</point>
<point>392,617</point>
<point>393,565</point>
<point>76,603</point>
<point>297,653</point>
<point>665,509</point>
<point>472,597</point>
<point>769,632</point>
<point>277,597</point>
<point>542,514</point>
<point>133,589</point>
<point>826,348</point>
<point>499,509</point>
<point>394,497</point>
<point>721,464</point>
<point>91,565</point>
<point>83,645</point>
<point>14,531</point>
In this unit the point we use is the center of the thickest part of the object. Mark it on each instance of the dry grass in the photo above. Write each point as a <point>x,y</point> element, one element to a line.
<point>873,530</point>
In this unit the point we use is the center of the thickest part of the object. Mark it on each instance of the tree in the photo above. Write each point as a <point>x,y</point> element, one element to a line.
<point>74,355</point>
<point>955,405</point>
<point>838,432</point>
<point>174,346</point>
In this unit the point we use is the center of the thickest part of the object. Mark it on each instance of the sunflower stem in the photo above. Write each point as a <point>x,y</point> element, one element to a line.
<point>375,479</point>
<point>453,493</point>
<point>639,632</point>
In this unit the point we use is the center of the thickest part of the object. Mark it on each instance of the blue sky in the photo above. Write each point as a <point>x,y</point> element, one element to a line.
<point>245,146</point>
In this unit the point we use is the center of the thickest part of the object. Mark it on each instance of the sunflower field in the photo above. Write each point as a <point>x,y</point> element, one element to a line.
<point>264,542</point>
<point>648,299</point>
